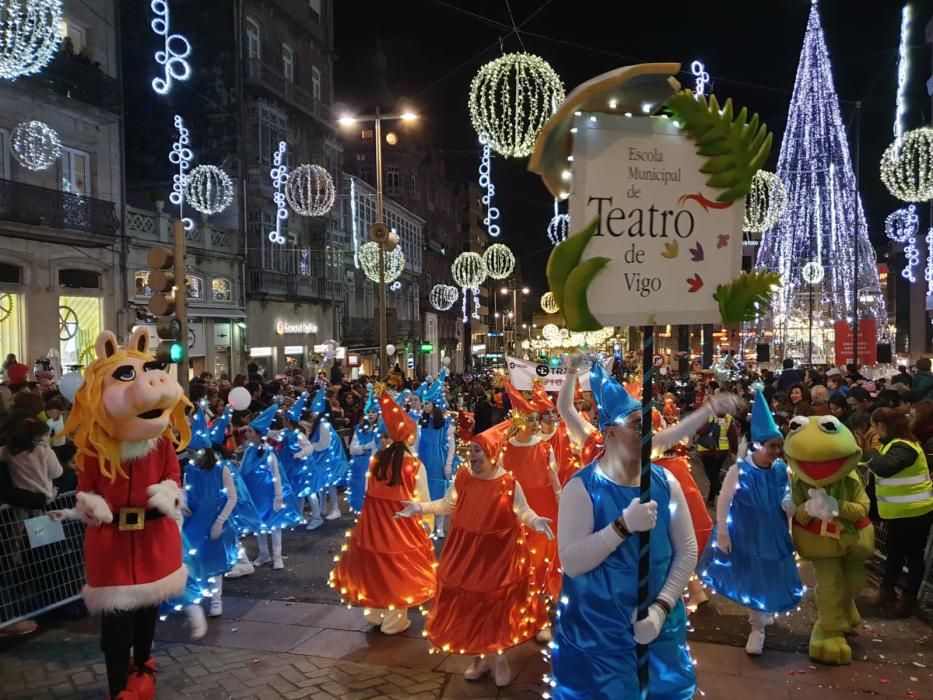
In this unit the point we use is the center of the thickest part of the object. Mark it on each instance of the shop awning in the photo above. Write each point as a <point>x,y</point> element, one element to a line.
<point>216,312</point>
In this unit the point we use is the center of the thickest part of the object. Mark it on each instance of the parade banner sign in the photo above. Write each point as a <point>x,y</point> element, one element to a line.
<point>522,374</point>
<point>665,241</point>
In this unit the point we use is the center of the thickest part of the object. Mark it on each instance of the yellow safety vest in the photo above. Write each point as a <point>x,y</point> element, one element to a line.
<point>908,493</point>
<point>723,434</point>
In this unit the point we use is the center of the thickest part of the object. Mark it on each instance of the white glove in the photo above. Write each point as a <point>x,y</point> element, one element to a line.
<point>217,529</point>
<point>580,361</point>
<point>411,509</point>
<point>788,507</point>
<point>723,540</point>
<point>725,402</point>
<point>278,504</point>
<point>542,525</point>
<point>640,516</point>
<point>647,630</point>
<point>821,506</point>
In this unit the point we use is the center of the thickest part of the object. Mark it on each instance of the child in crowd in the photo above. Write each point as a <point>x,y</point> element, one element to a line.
<point>32,464</point>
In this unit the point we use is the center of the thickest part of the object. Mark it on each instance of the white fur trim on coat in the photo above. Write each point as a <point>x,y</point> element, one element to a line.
<point>165,496</point>
<point>134,450</point>
<point>92,509</point>
<point>143,595</point>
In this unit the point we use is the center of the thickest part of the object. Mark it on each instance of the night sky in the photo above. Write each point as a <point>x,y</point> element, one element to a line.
<point>434,47</point>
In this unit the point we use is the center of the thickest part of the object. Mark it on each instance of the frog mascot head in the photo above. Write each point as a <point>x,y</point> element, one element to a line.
<point>831,527</point>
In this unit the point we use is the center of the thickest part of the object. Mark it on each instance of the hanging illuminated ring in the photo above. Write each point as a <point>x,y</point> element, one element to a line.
<point>499,261</point>
<point>210,189</point>
<point>549,303</point>
<point>766,202</point>
<point>176,49</point>
<point>907,166</point>
<point>36,145</point>
<point>310,190</point>
<point>812,272</point>
<point>30,34</point>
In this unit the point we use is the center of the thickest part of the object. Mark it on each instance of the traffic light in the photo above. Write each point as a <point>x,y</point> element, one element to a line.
<point>162,303</point>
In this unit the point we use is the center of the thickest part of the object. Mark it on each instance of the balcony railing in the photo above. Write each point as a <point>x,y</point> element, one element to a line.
<point>40,206</point>
<point>270,78</point>
<point>293,287</point>
<point>143,224</point>
<point>68,76</point>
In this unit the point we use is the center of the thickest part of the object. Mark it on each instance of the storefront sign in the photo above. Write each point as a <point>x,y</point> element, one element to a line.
<point>479,349</point>
<point>523,374</point>
<point>867,342</point>
<point>260,352</point>
<point>283,327</point>
<point>294,349</point>
<point>353,359</point>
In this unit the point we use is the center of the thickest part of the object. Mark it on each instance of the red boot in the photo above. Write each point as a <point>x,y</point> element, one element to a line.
<point>142,681</point>
<point>127,695</point>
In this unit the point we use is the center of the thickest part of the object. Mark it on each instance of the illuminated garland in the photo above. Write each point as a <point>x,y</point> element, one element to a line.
<point>469,272</point>
<point>499,261</point>
<point>702,77</point>
<point>928,273</point>
<point>443,296</point>
<point>510,100</point>
<point>812,272</point>
<point>176,49</point>
<point>912,255</point>
<point>559,227</point>
<point>906,167</point>
<point>29,36</point>
<point>550,332</point>
<point>210,189</point>
<point>310,190</point>
<point>36,145</point>
<point>485,181</point>
<point>766,202</point>
<point>181,156</point>
<point>279,175</point>
<point>903,67</point>
<point>549,303</point>
<point>369,262</point>
<point>902,225</point>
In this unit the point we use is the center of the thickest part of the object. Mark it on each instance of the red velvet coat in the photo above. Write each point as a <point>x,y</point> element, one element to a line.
<point>132,569</point>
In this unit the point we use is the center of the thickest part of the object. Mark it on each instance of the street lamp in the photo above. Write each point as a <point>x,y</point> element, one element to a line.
<point>375,232</point>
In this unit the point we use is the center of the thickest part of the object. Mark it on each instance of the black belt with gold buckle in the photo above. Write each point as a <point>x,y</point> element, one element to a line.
<point>134,519</point>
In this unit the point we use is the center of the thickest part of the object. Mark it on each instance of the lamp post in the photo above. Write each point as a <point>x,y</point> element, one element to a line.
<point>378,232</point>
<point>515,290</point>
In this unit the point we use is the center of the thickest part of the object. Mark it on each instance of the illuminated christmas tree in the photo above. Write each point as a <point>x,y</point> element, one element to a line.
<point>820,247</point>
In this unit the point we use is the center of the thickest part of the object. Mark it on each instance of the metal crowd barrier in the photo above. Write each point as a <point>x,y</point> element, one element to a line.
<point>41,560</point>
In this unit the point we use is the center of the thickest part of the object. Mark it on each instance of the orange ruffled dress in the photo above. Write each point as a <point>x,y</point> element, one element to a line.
<point>530,465</point>
<point>388,563</point>
<point>486,599</point>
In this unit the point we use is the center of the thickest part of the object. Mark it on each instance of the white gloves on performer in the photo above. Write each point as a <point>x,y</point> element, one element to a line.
<point>542,525</point>
<point>725,403</point>
<point>640,516</point>
<point>821,506</point>
<point>411,509</point>
<point>647,630</point>
<point>789,508</point>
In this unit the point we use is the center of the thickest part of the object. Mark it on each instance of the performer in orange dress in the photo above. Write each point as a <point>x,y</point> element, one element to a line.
<point>555,432</point>
<point>487,599</point>
<point>387,564</point>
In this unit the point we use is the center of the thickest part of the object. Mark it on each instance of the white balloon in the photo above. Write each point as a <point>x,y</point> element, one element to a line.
<point>69,384</point>
<point>446,362</point>
<point>390,349</point>
<point>239,398</point>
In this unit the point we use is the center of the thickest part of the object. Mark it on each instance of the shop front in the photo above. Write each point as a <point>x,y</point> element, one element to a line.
<point>281,336</point>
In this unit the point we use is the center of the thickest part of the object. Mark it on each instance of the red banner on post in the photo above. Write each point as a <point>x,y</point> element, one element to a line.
<point>867,342</point>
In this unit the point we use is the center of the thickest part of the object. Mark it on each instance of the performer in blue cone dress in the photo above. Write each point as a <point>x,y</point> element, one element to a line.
<point>437,444</point>
<point>363,446</point>
<point>751,557</point>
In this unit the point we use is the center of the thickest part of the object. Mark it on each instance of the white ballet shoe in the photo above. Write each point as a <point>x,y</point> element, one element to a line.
<point>477,669</point>
<point>196,621</point>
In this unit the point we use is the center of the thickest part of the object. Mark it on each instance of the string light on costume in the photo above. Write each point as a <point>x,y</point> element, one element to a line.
<point>279,175</point>
<point>310,190</point>
<point>30,36</point>
<point>210,189</point>
<point>902,225</point>
<point>469,272</point>
<point>36,145</point>
<point>698,69</point>
<point>766,202</point>
<point>485,180</point>
<point>812,272</point>
<point>176,49</point>
<point>549,303</point>
<point>181,156</point>
<point>369,262</point>
<point>559,227</point>
<point>499,261</point>
<point>510,100</point>
<point>443,296</point>
<point>907,166</point>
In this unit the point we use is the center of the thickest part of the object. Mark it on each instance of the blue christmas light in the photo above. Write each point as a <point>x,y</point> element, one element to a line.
<point>485,180</point>
<point>181,156</point>
<point>176,49</point>
<point>702,77</point>
<point>279,178</point>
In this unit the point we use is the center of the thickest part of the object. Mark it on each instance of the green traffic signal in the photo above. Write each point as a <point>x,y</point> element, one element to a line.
<point>170,352</point>
<point>176,353</point>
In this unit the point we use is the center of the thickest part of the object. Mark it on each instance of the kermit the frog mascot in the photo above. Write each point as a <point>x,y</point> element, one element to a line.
<point>831,527</point>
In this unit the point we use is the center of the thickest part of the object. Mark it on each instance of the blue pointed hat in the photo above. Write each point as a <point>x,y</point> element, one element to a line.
<point>612,400</point>
<point>402,398</point>
<point>200,434</point>
<point>263,421</point>
<point>319,405</point>
<point>219,429</point>
<point>371,403</point>
<point>435,394</point>
<point>763,426</point>
<point>422,390</point>
<point>294,413</point>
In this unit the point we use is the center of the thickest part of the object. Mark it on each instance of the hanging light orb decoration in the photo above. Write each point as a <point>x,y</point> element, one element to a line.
<point>559,228</point>
<point>29,35</point>
<point>36,145</point>
<point>812,272</point>
<point>310,190</point>
<point>902,225</point>
<point>766,202</point>
<point>443,296</point>
<point>510,100</point>
<point>549,303</point>
<point>907,166</point>
<point>469,270</point>
<point>210,190</point>
<point>550,332</point>
<point>369,262</point>
<point>499,260</point>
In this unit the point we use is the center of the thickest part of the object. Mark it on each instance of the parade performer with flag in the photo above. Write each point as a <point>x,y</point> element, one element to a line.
<point>387,565</point>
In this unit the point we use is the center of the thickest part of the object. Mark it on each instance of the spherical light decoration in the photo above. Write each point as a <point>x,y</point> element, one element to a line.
<point>36,145</point>
<point>550,332</point>
<point>812,273</point>
<point>469,270</point>
<point>510,100</point>
<point>369,262</point>
<point>766,202</point>
<point>559,228</point>
<point>907,166</point>
<point>902,225</point>
<point>499,260</point>
<point>549,303</point>
<point>443,296</point>
<point>29,35</point>
<point>210,189</point>
<point>310,190</point>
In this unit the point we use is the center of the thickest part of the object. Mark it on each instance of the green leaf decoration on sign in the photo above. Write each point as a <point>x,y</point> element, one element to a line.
<point>563,261</point>
<point>576,310</point>
<point>746,297</point>
<point>736,147</point>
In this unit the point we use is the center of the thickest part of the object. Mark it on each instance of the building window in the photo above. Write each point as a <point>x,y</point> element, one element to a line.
<point>288,63</point>
<point>195,286</point>
<point>75,171</point>
<point>253,41</point>
<point>366,174</point>
<point>76,36</point>
<point>393,181</point>
<point>79,324</point>
<point>10,274</point>
<point>315,83</point>
<point>272,123</point>
<point>4,154</point>
<point>367,134</point>
<point>79,279</point>
<point>315,7</point>
<point>142,284</point>
<point>222,289</point>
<point>360,157</point>
<point>413,186</point>
<point>12,317</point>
